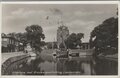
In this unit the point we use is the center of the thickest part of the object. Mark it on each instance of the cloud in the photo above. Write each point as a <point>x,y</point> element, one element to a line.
<point>18,11</point>
<point>73,26</point>
<point>80,26</point>
<point>80,22</point>
<point>22,13</point>
<point>56,11</point>
<point>50,32</point>
<point>25,17</point>
<point>78,18</point>
<point>83,13</point>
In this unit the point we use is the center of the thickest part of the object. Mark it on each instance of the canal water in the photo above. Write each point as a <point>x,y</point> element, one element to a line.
<point>49,65</point>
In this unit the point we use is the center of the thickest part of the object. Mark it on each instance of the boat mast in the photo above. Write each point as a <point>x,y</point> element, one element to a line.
<point>63,42</point>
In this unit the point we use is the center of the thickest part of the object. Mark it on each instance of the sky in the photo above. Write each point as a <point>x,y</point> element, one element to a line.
<point>79,18</point>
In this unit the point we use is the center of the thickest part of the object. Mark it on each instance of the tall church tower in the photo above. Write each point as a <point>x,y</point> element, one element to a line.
<point>62,34</point>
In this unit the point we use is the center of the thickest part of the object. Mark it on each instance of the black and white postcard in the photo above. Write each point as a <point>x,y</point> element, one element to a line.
<point>78,38</point>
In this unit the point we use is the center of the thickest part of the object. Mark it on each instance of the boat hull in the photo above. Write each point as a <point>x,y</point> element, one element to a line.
<point>80,52</point>
<point>32,54</point>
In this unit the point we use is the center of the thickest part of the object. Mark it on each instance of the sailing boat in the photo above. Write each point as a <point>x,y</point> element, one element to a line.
<point>62,51</point>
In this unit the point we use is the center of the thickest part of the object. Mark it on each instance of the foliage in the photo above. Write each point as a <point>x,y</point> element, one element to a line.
<point>52,45</point>
<point>34,36</point>
<point>43,43</point>
<point>73,40</point>
<point>105,37</point>
<point>49,45</point>
<point>55,45</point>
<point>22,38</point>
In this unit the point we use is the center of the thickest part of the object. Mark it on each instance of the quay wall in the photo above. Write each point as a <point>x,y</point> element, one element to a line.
<point>10,61</point>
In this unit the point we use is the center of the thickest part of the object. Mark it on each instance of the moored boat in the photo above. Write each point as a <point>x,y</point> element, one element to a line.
<point>32,54</point>
<point>61,53</point>
<point>81,52</point>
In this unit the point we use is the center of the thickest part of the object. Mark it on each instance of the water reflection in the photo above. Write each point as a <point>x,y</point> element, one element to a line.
<point>48,65</point>
<point>106,67</point>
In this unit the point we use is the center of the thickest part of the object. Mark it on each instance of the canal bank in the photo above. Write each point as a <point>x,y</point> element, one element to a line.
<point>6,56</point>
<point>46,64</point>
<point>9,58</point>
<point>113,57</point>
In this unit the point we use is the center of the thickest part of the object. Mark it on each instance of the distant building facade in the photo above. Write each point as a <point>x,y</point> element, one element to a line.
<point>62,34</point>
<point>85,45</point>
<point>10,44</point>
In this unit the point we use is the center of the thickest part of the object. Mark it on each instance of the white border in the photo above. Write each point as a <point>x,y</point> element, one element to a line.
<point>63,2</point>
<point>0,33</point>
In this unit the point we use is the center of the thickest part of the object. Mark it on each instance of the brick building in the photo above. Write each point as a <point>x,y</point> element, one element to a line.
<point>10,44</point>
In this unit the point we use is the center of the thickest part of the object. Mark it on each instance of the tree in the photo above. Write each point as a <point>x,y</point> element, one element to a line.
<point>105,37</point>
<point>79,37</point>
<point>49,45</point>
<point>34,34</point>
<point>73,40</point>
<point>55,45</point>
<point>43,43</point>
<point>52,45</point>
<point>22,37</point>
<point>13,35</point>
